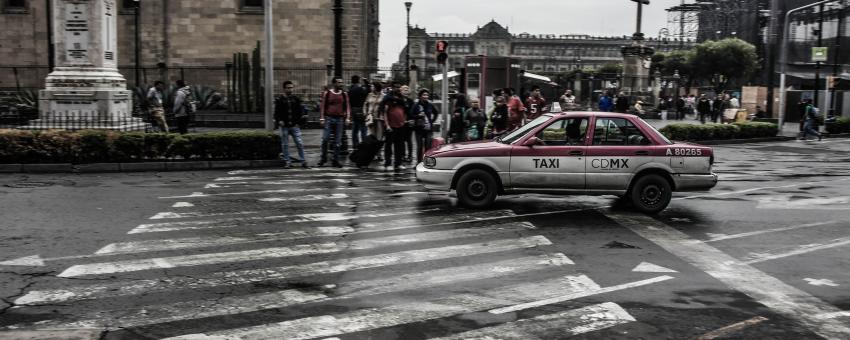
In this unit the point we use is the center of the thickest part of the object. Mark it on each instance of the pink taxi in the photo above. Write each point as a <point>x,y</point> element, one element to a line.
<point>579,153</point>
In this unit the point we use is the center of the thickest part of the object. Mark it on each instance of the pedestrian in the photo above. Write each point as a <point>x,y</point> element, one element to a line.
<point>535,104</point>
<point>334,115</point>
<point>476,120</point>
<point>374,116</point>
<point>394,109</point>
<point>499,117</point>
<point>622,103</point>
<point>568,101</point>
<point>801,111</point>
<point>424,115</point>
<point>516,110</point>
<point>289,117</point>
<point>638,109</point>
<point>184,106</point>
<point>157,106</point>
<point>690,105</point>
<point>716,108</point>
<point>731,108</point>
<point>357,94</point>
<point>703,108</point>
<point>408,137</point>
<point>680,108</point>
<point>457,128</point>
<point>606,103</point>
<point>811,126</point>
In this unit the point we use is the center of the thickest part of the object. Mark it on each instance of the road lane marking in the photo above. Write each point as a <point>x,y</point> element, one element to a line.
<point>285,182</point>
<point>175,215</point>
<point>722,332</point>
<point>279,191</point>
<point>646,267</point>
<point>300,218</point>
<point>135,247</point>
<point>277,273</point>
<point>761,188</point>
<point>569,323</point>
<point>817,203</point>
<point>799,250</point>
<point>182,205</point>
<point>126,266</point>
<point>398,314</point>
<point>154,314</point>
<point>786,300</point>
<point>305,198</point>
<point>721,237</point>
<point>575,295</point>
<point>821,282</point>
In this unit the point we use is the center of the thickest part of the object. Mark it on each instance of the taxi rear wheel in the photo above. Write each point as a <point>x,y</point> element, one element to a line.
<point>651,194</point>
<point>477,189</point>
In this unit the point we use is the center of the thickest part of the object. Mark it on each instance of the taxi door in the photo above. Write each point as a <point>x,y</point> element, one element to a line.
<point>618,148</point>
<point>557,163</point>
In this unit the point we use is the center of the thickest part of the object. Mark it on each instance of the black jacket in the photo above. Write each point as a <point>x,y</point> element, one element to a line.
<point>357,95</point>
<point>289,112</point>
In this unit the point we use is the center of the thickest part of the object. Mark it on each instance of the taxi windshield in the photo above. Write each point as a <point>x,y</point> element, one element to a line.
<point>518,133</point>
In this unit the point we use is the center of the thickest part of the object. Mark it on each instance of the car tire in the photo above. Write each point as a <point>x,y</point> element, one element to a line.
<point>650,194</point>
<point>477,189</point>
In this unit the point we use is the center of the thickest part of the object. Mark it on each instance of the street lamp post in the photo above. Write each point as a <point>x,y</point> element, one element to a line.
<point>337,9</point>
<point>269,90</point>
<point>407,6</point>
<point>138,39</point>
<point>590,92</point>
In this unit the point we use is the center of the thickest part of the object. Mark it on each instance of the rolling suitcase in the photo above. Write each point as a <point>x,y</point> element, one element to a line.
<point>366,151</point>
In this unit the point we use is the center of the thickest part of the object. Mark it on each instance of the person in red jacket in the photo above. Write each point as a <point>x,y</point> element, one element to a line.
<point>395,110</point>
<point>535,103</point>
<point>334,113</point>
<point>516,110</point>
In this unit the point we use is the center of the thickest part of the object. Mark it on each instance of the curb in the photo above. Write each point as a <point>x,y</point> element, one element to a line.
<point>744,141</point>
<point>64,334</point>
<point>137,167</point>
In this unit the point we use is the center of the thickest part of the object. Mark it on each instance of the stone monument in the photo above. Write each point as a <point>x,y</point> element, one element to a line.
<point>637,60</point>
<point>85,90</point>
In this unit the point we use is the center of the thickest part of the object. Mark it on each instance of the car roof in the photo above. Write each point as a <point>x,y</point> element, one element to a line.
<point>589,114</point>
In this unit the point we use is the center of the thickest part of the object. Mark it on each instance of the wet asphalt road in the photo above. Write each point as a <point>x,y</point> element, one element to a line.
<point>327,253</point>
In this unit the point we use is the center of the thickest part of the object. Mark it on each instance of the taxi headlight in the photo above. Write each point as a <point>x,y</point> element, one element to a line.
<point>430,162</point>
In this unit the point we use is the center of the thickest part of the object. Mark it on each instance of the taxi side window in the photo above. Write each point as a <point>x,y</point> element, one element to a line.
<point>565,132</point>
<point>618,132</point>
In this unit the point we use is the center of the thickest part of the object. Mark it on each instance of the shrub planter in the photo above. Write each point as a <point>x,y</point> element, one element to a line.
<point>714,132</point>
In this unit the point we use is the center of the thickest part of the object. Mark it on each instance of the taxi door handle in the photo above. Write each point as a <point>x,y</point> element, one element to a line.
<point>576,153</point>
<point>642,153</point>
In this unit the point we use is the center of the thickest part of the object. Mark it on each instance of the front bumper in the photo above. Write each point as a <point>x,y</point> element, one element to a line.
<point>689,182</point>
<point>434,179</point>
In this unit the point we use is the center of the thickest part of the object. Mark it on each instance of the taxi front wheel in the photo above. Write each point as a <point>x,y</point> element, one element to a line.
<point>477,189</point>
<point>651,194</point>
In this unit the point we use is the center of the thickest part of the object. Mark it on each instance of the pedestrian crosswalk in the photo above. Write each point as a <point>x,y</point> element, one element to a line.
<point>330,265</point>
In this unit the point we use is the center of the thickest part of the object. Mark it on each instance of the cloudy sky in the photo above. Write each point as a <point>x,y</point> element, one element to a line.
<point>594,17</point>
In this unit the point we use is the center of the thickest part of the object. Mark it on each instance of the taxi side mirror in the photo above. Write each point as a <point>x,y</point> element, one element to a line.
<point>532,141</point>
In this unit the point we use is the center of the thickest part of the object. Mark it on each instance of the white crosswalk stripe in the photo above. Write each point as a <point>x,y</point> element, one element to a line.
<point>278,252</point>
<point>388,259</point>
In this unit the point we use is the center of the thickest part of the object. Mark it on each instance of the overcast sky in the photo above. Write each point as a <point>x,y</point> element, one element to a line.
<point>594,17</point>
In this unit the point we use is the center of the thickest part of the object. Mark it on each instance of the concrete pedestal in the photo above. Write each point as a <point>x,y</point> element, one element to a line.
<point>636,67</point>
<point>85,90</point>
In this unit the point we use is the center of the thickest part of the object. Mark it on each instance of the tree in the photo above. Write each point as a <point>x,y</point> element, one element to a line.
<point>680,61</point>
<point>725,63</point>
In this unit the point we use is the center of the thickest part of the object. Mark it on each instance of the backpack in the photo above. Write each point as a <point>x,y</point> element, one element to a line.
<point>189,104</point>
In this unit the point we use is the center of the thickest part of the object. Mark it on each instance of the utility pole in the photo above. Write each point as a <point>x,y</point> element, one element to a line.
<point>774,35</point>
<point>835,57</point>
<point>51,63</point>
<point>407,5</point>
<point>269,91</point>
<point>817,63</point>
<point>337,38</point>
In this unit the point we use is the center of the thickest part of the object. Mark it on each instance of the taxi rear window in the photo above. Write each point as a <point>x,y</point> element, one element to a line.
<point>618,132</point>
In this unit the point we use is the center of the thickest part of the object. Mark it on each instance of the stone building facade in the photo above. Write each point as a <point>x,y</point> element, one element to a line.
<point>544,54</point>
<point>194,39</point>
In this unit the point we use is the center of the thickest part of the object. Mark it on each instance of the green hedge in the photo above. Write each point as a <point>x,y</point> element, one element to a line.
<point>687,132</point>
<point>98,146</point>
<point>841,125</point>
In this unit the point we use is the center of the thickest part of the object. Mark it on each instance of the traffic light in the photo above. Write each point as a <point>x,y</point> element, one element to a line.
<point>442,51</point>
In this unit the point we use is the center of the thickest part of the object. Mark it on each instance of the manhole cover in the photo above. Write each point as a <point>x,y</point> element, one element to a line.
<point>29,185</point>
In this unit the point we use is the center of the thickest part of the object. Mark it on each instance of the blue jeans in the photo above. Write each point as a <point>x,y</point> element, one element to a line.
<point>809,128</point>
<point>358,132</point>
<point>338,124</point>
<point>299,143</point>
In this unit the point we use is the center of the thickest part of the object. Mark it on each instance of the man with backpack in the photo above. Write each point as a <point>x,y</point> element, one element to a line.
<point>811,126</point>
<point>156,106</point>
<point>289,116</point>
<point>357,94</point>
<point>184,106</point>
<point>334,113</point>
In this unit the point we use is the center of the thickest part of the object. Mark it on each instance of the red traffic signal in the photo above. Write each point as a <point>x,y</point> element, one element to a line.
<point>442,46</point>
